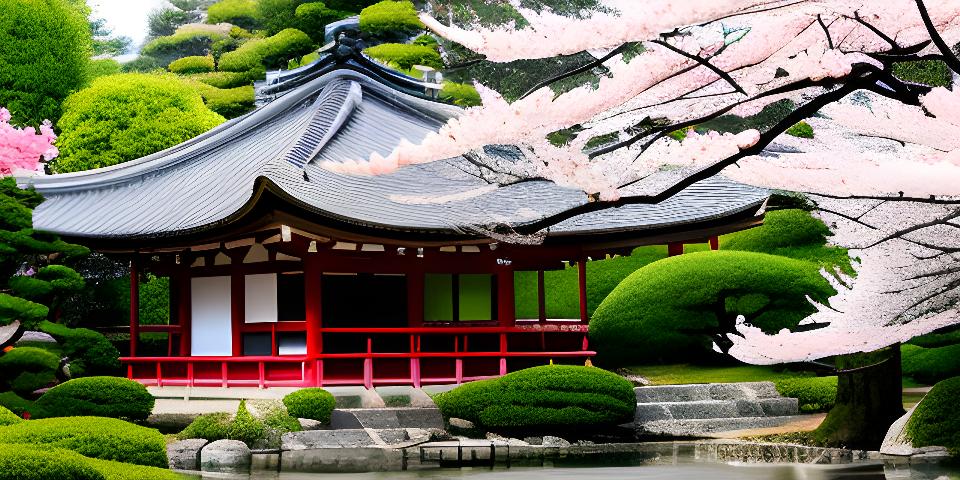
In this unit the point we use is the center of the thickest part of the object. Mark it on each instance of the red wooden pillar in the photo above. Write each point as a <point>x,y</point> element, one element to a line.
<point>674,249</point>
<point>415,286</point>
<point>714,243</point>
<point>312,276</point>
<point>582,278</point>
<point>541,298</point>
<point>134,306</point>
<point>506,303</point>
<point>238,293</point>
<point>184,307</point>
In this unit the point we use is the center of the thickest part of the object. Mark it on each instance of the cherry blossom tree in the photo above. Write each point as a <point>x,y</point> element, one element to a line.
<point>883,166</point>
<point>22,148</point>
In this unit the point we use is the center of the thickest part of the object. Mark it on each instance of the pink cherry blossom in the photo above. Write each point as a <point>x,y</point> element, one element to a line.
<point>22,148</point>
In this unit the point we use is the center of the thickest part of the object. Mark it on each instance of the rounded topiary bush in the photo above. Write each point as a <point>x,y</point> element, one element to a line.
<point>90,353</point>
<point>405,56</point>
<point>209,426</point>
<point>94,437</point>
<point>113,397</point>
<point>936,420</point>
<point>194,64</point>
<point>28,462</point>
<point>313,403</point>
<point>390,18</point>
<point>930,365</point>
<point>26,369</point>
<point>8,418</point>
<point>814,394</point>
<point>667,310</point>
<point>548,399</point>
<point>242,13</point>
<point>271,52</point>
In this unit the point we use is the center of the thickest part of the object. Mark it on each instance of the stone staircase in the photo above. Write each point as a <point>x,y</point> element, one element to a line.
<point>707,409</point>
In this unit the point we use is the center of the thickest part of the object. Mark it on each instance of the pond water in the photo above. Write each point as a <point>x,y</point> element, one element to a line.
<point>690,471</point>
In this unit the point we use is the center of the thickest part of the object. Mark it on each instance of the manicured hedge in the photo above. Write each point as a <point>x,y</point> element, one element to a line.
<point>95,437</point>
<point>814,394</point>
<point>390,19</point>
<point>112,397</point>
<point>312,403</point>
<point>548,399</point>
<point>229,79</point>
<point>102,67</point>
<point>242,13</point>
<point>933,340</point>
<point>32,462</point>
<point>26,369</point>
<point>662,311</point>
<point>460,94</point>
<point>218,426</point>
<point>801,129</point>
<point>936,420</point>
<point>930,365</point>
<point>271,52</point>
<point>231,102</point>
<point>313,18</point>
<point>184,43</point>
<point>405,56</point>
<point>16,404</point>
<point>27,462</point>
<point>8,418</point>
<point>194,64</point>
<point>90,353</point>
<point>127,116</point>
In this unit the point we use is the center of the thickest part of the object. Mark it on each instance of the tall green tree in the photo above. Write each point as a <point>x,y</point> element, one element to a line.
<point>43,58</point>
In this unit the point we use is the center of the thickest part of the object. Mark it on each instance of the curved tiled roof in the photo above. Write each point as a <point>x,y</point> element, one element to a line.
<point>337,112</point>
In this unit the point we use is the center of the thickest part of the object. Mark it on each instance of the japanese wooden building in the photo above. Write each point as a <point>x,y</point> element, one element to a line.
<point>286,274</point>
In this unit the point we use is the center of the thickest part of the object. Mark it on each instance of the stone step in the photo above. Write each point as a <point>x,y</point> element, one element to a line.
<point>380,418</point>
<point>765,407</point>
<point>706,426</point>
<point>706,391</point>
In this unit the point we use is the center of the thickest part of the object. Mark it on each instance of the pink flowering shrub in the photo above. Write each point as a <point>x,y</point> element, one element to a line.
<point>22,148</point>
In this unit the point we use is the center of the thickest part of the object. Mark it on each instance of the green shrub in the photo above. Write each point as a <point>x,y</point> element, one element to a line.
<point>26,369</point>
<point>305,60</point>
<point>277,15</point>
<point>28,462</point>
<point>313,18</point>
<point>666,310</point>
<point>801,130</point>
<point>196,64</point>
<point>460,94</point>
<point>104,438</point>
<point>144,64</point>
<point>102,67</point>
<point>426,40</point>
<point>112,397</point>
<point>932,340</point>
<point>184,43</point>
<point>390,19</point>
<point>814,394</point>
<point>936,420</point>
<point>226,80</point>
<point>930,365</point>
<point>353,6</point>
<point>271,52</point>
<point>313,403</point>
<point>8,418</point>
<point>279,418</point>
<point>405,56</point>
<point>791,233</point>
<point>90,353</point>
<point>231,102</point>
<point>127,116</point>
<point>209,426</point>
<point>244,427</point>
<point>46,46</point>
<point>13,402</point>
<point>242,13</point>
<point>548,399</point>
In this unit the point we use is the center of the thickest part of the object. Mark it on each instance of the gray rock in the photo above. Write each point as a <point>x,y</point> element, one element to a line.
<point>314,439</point>
<point>420,418</point>
<point>533,440</point>
<point>393,436</point>
<point>39,337</point>
<point>225,456</point>
<point>377,418</point>
<point>185,454</point>
<point>344,420</point>
<point>310,424</point>
<point>514,442</point>
<point>461,423</point>
<point>550,441</point>
<point>896,442</point>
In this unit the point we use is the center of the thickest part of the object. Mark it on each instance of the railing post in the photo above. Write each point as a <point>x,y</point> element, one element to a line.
<point>714,243</point>
<point>223,374</point>
<point>190,381</point>
<point>262,374</point>
<point>368,365</point>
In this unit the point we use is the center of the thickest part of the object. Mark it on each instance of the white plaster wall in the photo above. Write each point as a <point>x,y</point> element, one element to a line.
<point>261,298</point>
<point>210,317</point>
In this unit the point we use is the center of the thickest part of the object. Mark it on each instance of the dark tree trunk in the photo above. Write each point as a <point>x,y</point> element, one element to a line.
<point>869,399</point>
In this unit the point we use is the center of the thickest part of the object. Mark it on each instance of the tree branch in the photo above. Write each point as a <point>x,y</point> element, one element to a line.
<point>705,63</point>
<point>949,57</point>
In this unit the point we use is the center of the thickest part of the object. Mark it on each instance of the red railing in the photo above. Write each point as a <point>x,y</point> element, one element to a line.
<point>512,349</point>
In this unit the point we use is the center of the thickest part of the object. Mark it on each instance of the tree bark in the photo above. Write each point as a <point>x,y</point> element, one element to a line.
<point>869,400</point>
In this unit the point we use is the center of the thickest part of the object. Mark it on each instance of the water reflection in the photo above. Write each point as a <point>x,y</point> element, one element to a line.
<point>691,471</point>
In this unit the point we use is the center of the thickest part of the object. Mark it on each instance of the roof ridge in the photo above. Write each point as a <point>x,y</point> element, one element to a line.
<point>334,106</point>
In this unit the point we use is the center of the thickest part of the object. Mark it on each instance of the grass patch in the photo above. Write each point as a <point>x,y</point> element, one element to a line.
<point>685,373</point>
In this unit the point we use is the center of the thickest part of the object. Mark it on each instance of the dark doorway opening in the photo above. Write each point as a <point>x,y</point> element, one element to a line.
<point>364,301</point>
